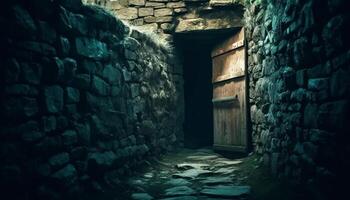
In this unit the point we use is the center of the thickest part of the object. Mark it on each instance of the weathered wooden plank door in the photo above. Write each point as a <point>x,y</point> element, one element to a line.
<point>229,94</point>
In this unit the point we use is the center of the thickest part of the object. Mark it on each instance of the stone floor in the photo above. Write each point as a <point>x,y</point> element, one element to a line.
<point>191,175</point>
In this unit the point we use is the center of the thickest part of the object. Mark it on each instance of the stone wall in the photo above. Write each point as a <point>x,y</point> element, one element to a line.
<point>298,56</point>
<point>84,99</point>
<point>176,16</point>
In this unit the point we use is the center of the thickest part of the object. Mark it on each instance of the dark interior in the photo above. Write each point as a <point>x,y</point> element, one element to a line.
<point>197,71</point>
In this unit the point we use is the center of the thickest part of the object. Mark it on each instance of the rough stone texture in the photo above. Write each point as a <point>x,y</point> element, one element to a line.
<point>53,99</point>
<point>219,183</point>
<point>146,12</point>
<point>76,87</point>
<point>168,18</point>
<point>127,13</point>
<point>182,17</point>
<point>229,191</point>
<point>293,63</point>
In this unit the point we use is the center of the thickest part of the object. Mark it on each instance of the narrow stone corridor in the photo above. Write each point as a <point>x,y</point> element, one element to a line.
<point>190,175</point>
<point>99,99</point>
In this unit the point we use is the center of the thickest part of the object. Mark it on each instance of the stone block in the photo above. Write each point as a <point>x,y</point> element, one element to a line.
<point>70,68</point>
<point>164,19</point>
<point>72,95</point>
<point>99,86</point>
<point>153,27</point>
<point>82,81</point>
<point>116,5</point>
<point>179,4</point>
<point>126,75</point>
<point>300,95</point>
<point>89,67</point>
<point>53,99</point>
<point>115,91</point>
<point>288,75</point>
<point>163,12</point>
<point>79,24</point>
<point>54,70</point>
<point>196,24</point>
<point>98,162</point>
<point>97,103</point>
<point>150,19</point>
<point>97,126</point>
<point>155,4</point>
<point>137,2</point>
<point>69,138</point>
<point>135,90</point>
<point>145,12</point>
<point>127,13</point>
<point>63,46</point>
<point>48,123</point>
<point>300,77</point>
<point>59,160</point>
<point>84,133</point>
<point>111,75</point>
<point>91,48</point>
<point>131,55</point>
<point>301,57</point>
<point>180,10</point>
<point>65,176</point>
<point>318,84</point>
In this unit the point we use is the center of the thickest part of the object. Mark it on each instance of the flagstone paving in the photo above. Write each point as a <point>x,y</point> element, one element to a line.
<point>191,175</point>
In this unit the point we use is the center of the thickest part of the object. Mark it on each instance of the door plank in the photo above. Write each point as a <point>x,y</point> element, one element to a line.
<point>229,93</point>
<point>230,44</point>
<point>229,65</point>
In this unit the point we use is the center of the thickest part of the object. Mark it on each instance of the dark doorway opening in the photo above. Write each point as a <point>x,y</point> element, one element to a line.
<point>196,50</point>
<point>198,94</point>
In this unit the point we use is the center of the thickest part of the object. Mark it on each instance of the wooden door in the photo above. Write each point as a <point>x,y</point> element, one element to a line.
<point>229,94</point>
